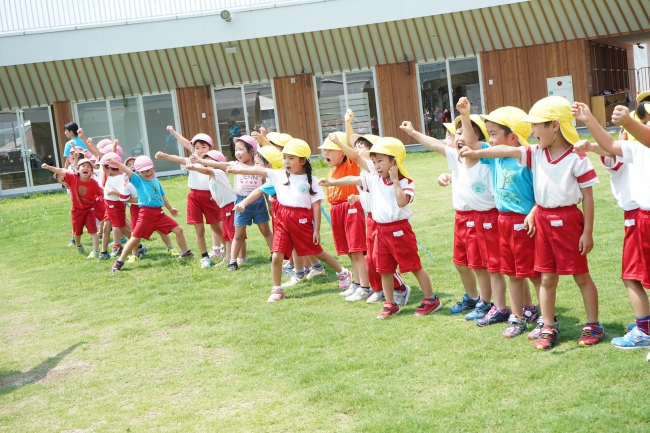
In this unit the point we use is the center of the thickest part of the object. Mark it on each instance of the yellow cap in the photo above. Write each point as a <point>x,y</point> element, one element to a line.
<point>297,147</point>
<point>511,118</point>
<point>635,117</point>
<point>641,96</point>
<point>450,127</point>
<point>392,147</point>
<point>278,139</point>
<point>554,108</point>
<point>370,137</point>
<point>476,119</point>
<point>272,155</point>
<point>329,145</point>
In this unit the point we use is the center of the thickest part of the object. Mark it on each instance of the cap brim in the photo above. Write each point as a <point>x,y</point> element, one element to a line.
<point>534,119</point>
<point>641,96</point>
<point>145,168</point>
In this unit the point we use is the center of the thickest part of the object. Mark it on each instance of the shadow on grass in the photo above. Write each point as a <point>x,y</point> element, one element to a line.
<point>12,380</point>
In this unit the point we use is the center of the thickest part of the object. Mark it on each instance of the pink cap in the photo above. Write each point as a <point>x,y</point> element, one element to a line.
<point>103,143</point>
<point>203,137</point>
<point>216,155</point>
<point>126,161</point>
<point>142,163</point>
<point>111,155</point>
<point>107,149</point>
<point>248,139</point>
<point>85,160</point>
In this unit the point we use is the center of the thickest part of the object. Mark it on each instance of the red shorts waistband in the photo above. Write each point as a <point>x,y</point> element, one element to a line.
<point>557,209</point>
<point>338,203</point>
<point>393,223</point>
<point>480,212</point>
<point>512,214</point>
<point>281,206</point>
<point>200,190</point>
<point>644,212</point>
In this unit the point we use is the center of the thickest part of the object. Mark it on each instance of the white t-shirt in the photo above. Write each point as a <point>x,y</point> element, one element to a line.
<point>245,184</point>
<point>128,191</point>
<point>639,183</point>
<point>471,187</point>
<point>383,203</point>
<point>116,183</point>
<point>557,182</point>
<point>296,194</point>
<point>220,188</point>
<point>364,196</point>
<point>619,179</point>
<point>196,180</point>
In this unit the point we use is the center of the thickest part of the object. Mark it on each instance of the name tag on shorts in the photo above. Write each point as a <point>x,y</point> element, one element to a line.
<point>353,210</point>
<point>557,223</point>
<point>630,223</point>
<point>228,214</point>
<point>487,225</point>
<point>303,221</point>
<point>110,206</point>
<point>519,227</point>
<point>398,234</point>
<point>469,223</point>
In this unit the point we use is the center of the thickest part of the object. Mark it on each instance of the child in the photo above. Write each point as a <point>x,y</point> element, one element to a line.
<point>70,130</point>
<point>475,224</point>
<point>200,202</point>
<point>84,192</point>
<point>630,160</point>
<point>391,189</point>
<point>274,139</point>
<point>564,235</point>
<point>115,208</point>
<point>298,214</point>
<point>151,199</point>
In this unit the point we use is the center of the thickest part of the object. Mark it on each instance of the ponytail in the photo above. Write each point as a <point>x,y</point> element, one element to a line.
<point>308,172</point>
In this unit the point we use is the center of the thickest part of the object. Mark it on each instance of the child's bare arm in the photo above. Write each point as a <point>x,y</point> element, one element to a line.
<point>182,140</point>
<point>343,181</point>
<point>585,146</point>
<point>241,206</point>
<point>251,171</point>
<point>586,243</point>
<point>57,170</point>
<point>471,140</point>
<point>500,151</point>
<point>605,141</point>
<point>200,169</point>
<point>211,163</point>
<point>349,152</point>
<point>171,158</point>
<point>425,140</point>
<point>402,198</point>
<point>621,116</point>
<point>172,210</point>
<point>349,116</point>
<point>123,168</point>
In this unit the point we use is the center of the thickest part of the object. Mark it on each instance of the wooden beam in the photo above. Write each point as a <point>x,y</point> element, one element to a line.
<point>451,44</point>
<point>390,40</point>
<point>514,19</point>
<point>345,50</point>
<point>609,12</point>
<point>282,62</point>
<point>67,76</point>
<point>58,77</point>
<point>496,27</point>
<point>644,10</point>
<point>248,47</point>
<point>268,49</point>
<point>4,95</point>
<point>135,74</point>
<point>354,48</point>
<point>304,42</point>
<point>90,83</point>
<point>419,39</point>
<point>144,72</point>
<point>401,43</point>
<point>40,82</point>
<point>180,65</point>
<point>487,30</point>
<point>216,63</point>
<point>302,62</point>
<point>261,58</point>
<point>336,52</point>
<point>153,70</point>
<point>169,63</point>
<point>460,40</point>
<point>548,26</point>
<point>575,11</point>
<point>474,50</point>
<point>532,15</point>
<point>505,24</point>
<point>638,23</point>
<point>557,20</point>
<point>22,87</point>
<point>600,17</point>
<point>92,62</point>
<point>372,44</point>
<point>439,37</point>
<point>126,76</point>
<point>74,68</point>
<point>49,80</point>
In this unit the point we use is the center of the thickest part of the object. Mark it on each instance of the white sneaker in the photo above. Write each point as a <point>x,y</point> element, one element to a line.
<point>376,297</point>
<point>81,250</point>
<point>293,281</point>
<point>345,279</point>
<point>93,255</point>
<point>402,298</point>
<point>205,262</point>
<point>359,295</point>
<point>242,260</point>
<point>315,273</point>
<point>216,253</point>
<point>350,291</point>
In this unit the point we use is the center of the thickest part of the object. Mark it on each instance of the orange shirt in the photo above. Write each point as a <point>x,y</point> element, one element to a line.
<point>337,194</point>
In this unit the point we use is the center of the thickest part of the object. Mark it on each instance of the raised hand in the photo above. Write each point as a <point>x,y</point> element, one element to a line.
<point>407,127</point>
<point>582,146</point>
<point>621,115</point>
<point>463,106</point>
<point>581,111</point>
<point>349,115</point>
<point>393,172</point>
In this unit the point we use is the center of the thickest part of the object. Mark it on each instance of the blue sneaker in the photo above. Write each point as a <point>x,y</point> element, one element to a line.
<point>287,269</point>
<point>494,316</point>
<point>466,303</point>
<point>631,326</point>
<point>635,339</point>
<point>479,311</point>
<point>402,297</point>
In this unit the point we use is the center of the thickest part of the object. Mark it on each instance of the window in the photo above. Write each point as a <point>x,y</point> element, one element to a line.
<point>609,68</point>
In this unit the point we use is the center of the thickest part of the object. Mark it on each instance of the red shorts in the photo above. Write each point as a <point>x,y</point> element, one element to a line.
<point>134,211</point>
<point>81,218</point>
<point>151,219</point>
<point>557,241</point>
<point>487,233</point>
<point>466,245</point>
<point>643,222</point>
<point>274,209</point>
<point>395,245</point>
<point>374,277</point>
<point>199,203</point>
<point>228,222</point>
<point>516,248</point>
<point>116,212</point>
<point>294,230</point>
<point>100,209</point>
<point>348,228</point>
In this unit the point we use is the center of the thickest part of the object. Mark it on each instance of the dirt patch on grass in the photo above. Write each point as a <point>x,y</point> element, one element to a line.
<point>67,370</point>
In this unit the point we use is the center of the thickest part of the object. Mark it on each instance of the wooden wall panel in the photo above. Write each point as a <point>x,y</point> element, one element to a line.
<point>192,103</point>
<point>62,112</point>
<point>296,105</point>
<point>398,99</point>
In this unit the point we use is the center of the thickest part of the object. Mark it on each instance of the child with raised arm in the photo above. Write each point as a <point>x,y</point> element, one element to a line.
<point>391,189</point>
<point>151,217</point>
<point>628,163</point>
<point>200,202</point>
<point>476,215</point>
<point>298,215</point>
<point>115,208</point>
<point>561,180</point>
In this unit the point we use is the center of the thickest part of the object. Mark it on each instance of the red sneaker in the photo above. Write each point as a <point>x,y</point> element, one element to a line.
<point>546,339</point>
<point>428,306</point>
<point>389,310</point>
<point>591,334</point>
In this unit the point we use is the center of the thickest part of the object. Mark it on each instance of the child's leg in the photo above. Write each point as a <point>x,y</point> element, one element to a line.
<point>200,238</point>
<point>217,234</point>
<point>498,285</point>
<point>276,268</point>
<point>106,237</point>
<point>589,295</point>
<point>180,238</point>
<point>95,239</point>
<point>77,240</point>
<point>126,231</point>
<point>242,248</point>
<point>528,300</point>
<point>423,280</point>
<point>518,293</point>
<point>387,285</point>
<point>267,233</point>
<point>238,242</point>
<point>468,278</point>
<point>638,298</point>
<point>329,260</point>
<point>133,242</point>
<point>117,235</point>
<point>484,284</point>
<point>166,240</point>
<point>359,268</point>
<point>547,292</point>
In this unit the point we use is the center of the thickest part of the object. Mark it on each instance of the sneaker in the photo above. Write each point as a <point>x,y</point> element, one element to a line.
<point>631,326</point>
<point>635,339</point>
<point>287,269</point>
<point>389,310</point>
<point>345,279</point>
<point>173,252</point>
<point>376,297</point>
<point>493,316</point>
<point>142,250</point>
<point>104,256</point>
<point>132,259</point>
<point>535,333</point>
<point>402,297</point>
<point>318,273</point>
<point>242,260</point>
<point>293,281</point>
<point>350,291</point>
<point>591,335</point>
<point>117,266</point>
<point>123,240</point>
<point>216,254</point>
<point>359,295</point>
<point>186,255</point>
<point>276,294</point>
<point>232,266</point>
<point>428,306</point>
<point>81,250</point>
<point>117,251</point>
<point>516,326</point>
<point>531,314</point>
<point>479,311</point>
<point>93,255</point>
<point>466,303</point>
<point>205,262</point>
<point>72,243</point>
<point>547,338</point>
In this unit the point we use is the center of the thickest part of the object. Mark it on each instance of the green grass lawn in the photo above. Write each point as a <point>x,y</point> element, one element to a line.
<point>167,346</point>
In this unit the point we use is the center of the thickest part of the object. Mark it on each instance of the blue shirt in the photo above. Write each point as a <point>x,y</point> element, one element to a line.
<point>78,142</point>
<point>150,193</point>
<point>269,189</point>
<point>512,184</point>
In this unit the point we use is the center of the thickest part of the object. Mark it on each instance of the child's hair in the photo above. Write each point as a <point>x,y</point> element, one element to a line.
<point>506,130</point>
<point>72,127</point>
<point>264,161</point>
<point>478,132</point>
<point>248,147</point>
<point>202,142</point>
<point>363,141</point>
<point>643,110</point>
<point>308,172</point>
<point>390,157</point>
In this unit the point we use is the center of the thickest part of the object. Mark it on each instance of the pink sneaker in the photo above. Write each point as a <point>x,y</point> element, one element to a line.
<point>345,279</point>
<point>277,294</point>
<point>389,310</point>
<point>216,254</point>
